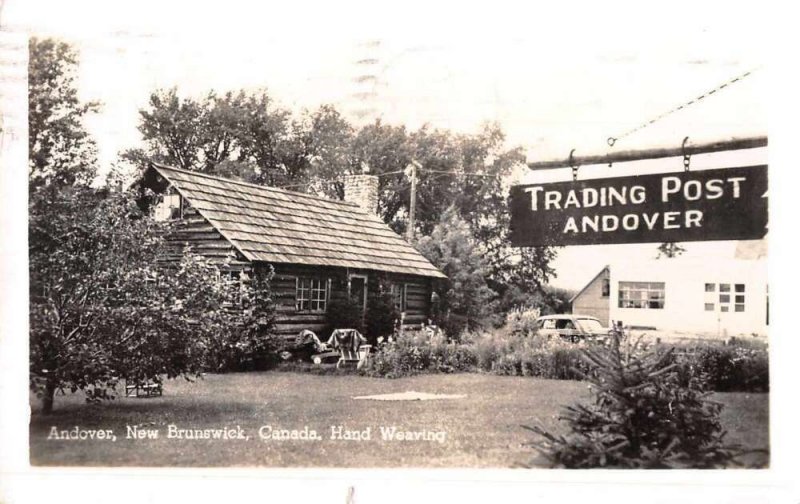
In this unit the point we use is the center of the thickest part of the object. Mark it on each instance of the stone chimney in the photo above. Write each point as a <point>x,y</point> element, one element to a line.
<point>362,190</point>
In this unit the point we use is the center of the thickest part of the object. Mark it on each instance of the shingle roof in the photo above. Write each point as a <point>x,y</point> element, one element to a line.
<point>278,226</point>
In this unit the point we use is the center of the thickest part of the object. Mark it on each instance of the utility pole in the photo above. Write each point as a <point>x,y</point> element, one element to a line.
<point>411,172</point>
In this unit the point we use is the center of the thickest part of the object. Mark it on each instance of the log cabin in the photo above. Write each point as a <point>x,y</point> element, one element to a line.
<point>319,249</point>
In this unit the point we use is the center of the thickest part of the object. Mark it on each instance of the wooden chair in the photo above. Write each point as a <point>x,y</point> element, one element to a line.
<point>349,357</point>
<point>352,350</point>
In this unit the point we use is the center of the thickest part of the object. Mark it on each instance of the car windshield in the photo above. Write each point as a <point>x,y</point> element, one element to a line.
<point>591,325</point>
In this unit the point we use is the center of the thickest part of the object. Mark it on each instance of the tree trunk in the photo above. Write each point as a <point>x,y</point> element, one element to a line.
<point>49,393</point>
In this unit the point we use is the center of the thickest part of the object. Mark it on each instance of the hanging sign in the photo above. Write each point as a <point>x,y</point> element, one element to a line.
<point>720,204</point>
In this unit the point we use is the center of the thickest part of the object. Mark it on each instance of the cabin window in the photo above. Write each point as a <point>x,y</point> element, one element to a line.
<point>642,295</point>
<point>606,287</point>
<point>312,294</point>
<point>399,296</point>
<point>170,207</point>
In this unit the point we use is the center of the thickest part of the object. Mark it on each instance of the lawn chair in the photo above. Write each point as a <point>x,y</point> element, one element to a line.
<point>351,347</point>
<point>307,344</point>
<point>146,388</point>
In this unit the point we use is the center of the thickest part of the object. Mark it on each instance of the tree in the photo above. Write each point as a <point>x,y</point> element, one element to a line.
<point>386,150</point>
<point>670,250</point>
<point>468,172</point>
<point>95,316</point>
<point>248,136</point>
<point>172,128</point>
<point>641,416</point>
<point>242,338</point>
<point>61,152</point>
<point>329,139</point>
<point>464,296</point>
<point>103,308</point>
<point>239,135</point>
<point>194,135</point>
<point>546,299</point>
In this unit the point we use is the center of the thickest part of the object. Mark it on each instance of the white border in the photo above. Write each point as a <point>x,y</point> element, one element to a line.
<point>21,483</point>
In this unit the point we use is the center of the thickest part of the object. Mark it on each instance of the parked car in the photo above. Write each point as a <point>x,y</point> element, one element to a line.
<point>572,327</point>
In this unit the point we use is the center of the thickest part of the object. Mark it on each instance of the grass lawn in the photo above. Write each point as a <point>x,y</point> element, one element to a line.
<point>482,429</point>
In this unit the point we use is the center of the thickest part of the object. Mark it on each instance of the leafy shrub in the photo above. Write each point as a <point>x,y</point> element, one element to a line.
<point>380,317</point>
<point>568,364</point>
<point>493,352</point>
<point>249,342</point>
<point>452,357</point>
<point>403,357</point>
<point>522,322</point>
<point>641,417</point>
<point>738,367</point>
<point>489,348</point>
<point>508,352</point>
<point>416,352</point>
<point>464,296</point>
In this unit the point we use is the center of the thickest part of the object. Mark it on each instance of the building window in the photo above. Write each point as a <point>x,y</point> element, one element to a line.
<point>725,298</point>
<point>169,208</point>
<point>606,287</point>
<point>739,298</point>
<point>643,295</point>
<point>399,297</point>
<point>312,294</point>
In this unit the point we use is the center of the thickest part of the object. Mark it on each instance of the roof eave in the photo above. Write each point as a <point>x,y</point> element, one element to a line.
<point>604,269</point>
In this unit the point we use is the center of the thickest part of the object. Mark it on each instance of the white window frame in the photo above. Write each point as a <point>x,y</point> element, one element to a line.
<point>171,207</point>
<point>626,300</point>
<point>307,294</point>
<point>402,290</point>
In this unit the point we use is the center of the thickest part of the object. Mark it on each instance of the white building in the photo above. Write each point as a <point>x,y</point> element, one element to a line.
<point>722,297</point>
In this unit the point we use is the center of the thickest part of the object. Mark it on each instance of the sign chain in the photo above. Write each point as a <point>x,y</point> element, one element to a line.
<point>613,139</point>
<point>686,157</point>
<point>573,165</point>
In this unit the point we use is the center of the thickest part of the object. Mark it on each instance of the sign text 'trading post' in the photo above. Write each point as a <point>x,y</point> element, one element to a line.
<point>720,204</point>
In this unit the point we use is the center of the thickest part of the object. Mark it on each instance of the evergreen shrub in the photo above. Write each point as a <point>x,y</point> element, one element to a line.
<point>641,416</point>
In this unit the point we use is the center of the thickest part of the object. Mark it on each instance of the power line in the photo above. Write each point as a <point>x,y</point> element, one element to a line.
<point>337,179</point>
<point>386,174</point>
<point>461,173</point>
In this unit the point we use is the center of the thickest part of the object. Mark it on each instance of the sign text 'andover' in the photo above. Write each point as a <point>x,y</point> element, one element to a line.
<point>720,204</point>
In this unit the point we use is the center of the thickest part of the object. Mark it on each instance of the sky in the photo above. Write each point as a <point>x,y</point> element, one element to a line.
<point>555,77</point>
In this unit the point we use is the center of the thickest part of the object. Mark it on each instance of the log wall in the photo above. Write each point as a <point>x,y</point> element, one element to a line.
<point>194,231</point>
<point>290,321</point>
